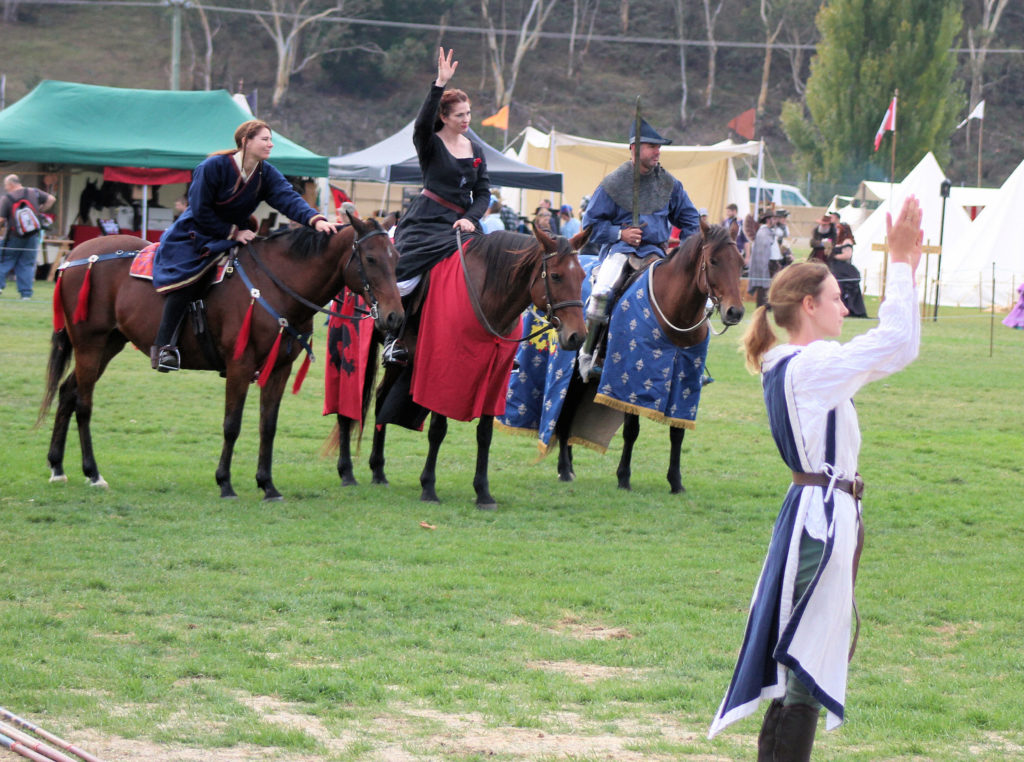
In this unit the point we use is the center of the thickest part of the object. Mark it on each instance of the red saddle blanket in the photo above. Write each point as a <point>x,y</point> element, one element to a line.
<point>142,265</point>
<point>460,370</point>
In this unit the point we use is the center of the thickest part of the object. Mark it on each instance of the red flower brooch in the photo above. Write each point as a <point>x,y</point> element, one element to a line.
<point>477,162</point>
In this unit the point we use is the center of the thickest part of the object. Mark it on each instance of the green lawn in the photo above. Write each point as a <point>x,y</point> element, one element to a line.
<point>155,621</point>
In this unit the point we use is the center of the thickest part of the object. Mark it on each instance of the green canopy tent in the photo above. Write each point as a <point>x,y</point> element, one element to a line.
<point>71,123</point>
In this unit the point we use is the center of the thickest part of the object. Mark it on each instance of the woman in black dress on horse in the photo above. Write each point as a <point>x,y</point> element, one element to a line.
<point>456,190</point>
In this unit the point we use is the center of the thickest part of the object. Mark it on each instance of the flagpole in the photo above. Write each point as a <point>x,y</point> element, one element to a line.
<point>892,181</point>
<point>981,127</point>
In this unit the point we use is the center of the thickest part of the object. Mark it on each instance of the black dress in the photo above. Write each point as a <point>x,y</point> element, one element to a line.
<point>848,277</point>
<point>425,234</point>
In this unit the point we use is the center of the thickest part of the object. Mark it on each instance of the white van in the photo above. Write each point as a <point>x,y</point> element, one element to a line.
<point>783,195</point>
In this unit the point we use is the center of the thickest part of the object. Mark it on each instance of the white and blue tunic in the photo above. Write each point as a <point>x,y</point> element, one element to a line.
<point>802,386</point>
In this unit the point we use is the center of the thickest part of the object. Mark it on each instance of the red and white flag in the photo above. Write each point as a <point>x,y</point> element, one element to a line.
<point>888,123</point>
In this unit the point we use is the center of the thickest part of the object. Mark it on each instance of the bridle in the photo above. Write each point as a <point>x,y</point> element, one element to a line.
<point>549,308</point>
<point>715,300</point>
<point>357,255</point>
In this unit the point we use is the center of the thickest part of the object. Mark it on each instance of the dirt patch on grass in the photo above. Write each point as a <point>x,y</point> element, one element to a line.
<point>407,733</point>
<point>573,627</point>
<point>587,673</point>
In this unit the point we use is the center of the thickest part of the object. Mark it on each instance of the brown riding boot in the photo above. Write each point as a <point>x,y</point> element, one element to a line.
<point>788,733</point>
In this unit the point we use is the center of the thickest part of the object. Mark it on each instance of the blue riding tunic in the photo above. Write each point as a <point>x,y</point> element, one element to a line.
<point>219,201</point>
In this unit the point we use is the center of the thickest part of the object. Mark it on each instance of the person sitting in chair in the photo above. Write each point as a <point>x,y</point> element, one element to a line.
<point>662,203</point>
<point>226,188</point>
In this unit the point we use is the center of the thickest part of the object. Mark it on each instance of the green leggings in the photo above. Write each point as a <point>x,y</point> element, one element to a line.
<point>810,556</point>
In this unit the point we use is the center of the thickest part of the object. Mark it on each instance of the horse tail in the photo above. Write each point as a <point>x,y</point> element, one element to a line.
<point>60,358</point>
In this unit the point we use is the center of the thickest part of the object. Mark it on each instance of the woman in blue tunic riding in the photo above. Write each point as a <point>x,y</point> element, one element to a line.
<point>226,188</point>
<point>797,641</point>
<point>456,189</point>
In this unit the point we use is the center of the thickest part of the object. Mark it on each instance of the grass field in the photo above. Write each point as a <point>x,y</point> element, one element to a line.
<point>155,621</point>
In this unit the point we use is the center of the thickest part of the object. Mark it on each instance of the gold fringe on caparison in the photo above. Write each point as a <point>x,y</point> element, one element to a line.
<point>654,415</point>
<point>588,444</point>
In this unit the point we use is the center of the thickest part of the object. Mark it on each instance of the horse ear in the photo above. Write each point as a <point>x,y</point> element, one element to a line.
<point>355,222</point>
<point>704,228</point>
<point>579,240</point>
<point>388,222</point>
<point>545,240</point>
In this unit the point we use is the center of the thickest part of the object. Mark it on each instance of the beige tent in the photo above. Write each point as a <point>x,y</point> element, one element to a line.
<point>706,172</point>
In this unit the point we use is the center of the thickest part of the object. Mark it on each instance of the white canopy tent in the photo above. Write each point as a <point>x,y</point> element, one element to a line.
<point>706,172</point>
<point>992,239</point>
<point>923,181</point>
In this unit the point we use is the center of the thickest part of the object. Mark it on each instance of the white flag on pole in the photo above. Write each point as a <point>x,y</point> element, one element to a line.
<point>977,113</point>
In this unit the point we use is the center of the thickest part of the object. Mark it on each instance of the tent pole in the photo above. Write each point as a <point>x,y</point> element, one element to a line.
<point>145,212</point>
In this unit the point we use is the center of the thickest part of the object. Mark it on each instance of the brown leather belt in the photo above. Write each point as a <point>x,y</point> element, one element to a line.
<point>442,201</point>
<point>853,486</point>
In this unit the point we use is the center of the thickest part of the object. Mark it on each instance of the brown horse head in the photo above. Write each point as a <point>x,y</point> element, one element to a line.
<point>724,264</point>
<point>370,271</point>
<point>558,289</point>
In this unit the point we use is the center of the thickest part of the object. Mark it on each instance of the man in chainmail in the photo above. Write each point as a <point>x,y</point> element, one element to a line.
<point>662,203</point>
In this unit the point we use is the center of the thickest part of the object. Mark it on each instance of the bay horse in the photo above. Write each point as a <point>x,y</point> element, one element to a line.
<point>507,271</point>
<point>706,266</point>
<point>275,286</point>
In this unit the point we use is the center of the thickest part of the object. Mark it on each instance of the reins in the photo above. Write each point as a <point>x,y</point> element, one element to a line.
<point>367,290</point>
<point>709,294</point>
<point>549,310</point>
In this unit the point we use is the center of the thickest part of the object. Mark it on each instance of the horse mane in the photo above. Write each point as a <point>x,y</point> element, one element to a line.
<point>302,242</point>
<point>716,236</point>
<point>510,257</point>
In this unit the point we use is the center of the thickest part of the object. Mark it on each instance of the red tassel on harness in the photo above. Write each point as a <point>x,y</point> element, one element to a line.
<point>271,359</point>
<point>82,308</point>
<point>243,335</point>
<point>58,306</point>
<point>301,375</point>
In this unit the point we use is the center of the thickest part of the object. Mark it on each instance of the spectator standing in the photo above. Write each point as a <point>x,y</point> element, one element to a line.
<point>568,225</point>
<point>759,275</point>
<point>731,222</point>
<point>509,217</point>
<point>824,235</point>
<point>20,248</point>
<point>491,220</point>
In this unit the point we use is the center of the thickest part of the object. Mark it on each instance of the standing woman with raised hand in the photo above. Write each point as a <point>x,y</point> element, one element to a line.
<point>225,190</point>
<point>456,190</point>
<point>797,641</point>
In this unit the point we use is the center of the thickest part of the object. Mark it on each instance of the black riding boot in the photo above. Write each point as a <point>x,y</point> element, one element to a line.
<point>163,355</point>
<point>787,734</point>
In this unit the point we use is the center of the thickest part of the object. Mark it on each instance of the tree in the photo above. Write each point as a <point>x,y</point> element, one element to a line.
<point>286,23</point>
<point>868,49</point>
<point>530,26</point>
<point>979,39</point>
<point>710,18</point>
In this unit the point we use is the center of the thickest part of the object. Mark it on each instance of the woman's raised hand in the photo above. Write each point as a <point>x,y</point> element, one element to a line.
<point>445,67</point>
<point>905,233</point>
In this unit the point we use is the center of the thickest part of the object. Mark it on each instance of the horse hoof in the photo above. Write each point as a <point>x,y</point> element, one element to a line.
<point>273,498</point>
<point>348,481</point>
<point>487,506</point>
<point>100,482</point>
<point>678,490</point>
<point>625,486</point>
<point>58,479</point>
<point>430,499</point>
<point>380,480</point>
<point>570,477</point>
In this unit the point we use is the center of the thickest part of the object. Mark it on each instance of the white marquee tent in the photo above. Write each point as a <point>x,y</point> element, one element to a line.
<point>923,181</point>
<point>992,239</point>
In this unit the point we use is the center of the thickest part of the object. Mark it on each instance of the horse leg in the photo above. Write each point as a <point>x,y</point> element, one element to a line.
<point>89,366</point>
<point>235,390</point>
<point>562,428</point>
<point>630,431</point>
<point>481,483</point>
<point>66,401</point>
<point>270,407</point>
<point>675,479</point>
<point>348,478</point>
<point>428,477</point>
<point>376,461</point>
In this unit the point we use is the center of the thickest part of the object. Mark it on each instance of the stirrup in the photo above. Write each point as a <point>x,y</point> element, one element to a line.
<point>168,359</point>
<point>395,352</point>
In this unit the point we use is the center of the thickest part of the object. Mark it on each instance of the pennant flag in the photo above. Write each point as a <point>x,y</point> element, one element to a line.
<point>888,123</point>
<point>743,125</point>
<point>978,113</point>
<point>499,120</point>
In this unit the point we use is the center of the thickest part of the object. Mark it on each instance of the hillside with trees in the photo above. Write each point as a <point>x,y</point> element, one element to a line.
<point>338,75</point>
